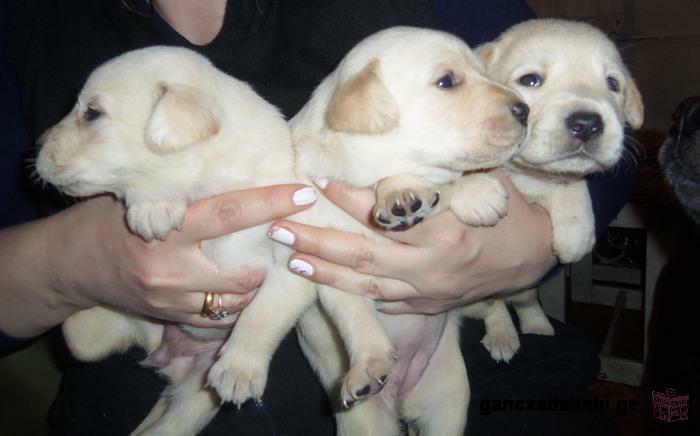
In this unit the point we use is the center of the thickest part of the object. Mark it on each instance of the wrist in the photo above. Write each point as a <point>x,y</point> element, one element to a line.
<point>31,302</point>
<point>64,258</point>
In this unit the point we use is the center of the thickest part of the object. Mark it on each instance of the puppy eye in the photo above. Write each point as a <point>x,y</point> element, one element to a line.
<point>447,81</point>
<point>613,84</point>
<point>531,80</point>
<point>92,113</point>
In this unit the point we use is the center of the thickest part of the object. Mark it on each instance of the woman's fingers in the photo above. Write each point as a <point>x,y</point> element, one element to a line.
<point>423,306</point>
<point>232,303</point>
<point>238,210</point>
<point>346,279</point>
<point>351,250</point>
<point>204,322</point>
<point>188,309</point>
<point>358,202</point>
<point>208,277</point>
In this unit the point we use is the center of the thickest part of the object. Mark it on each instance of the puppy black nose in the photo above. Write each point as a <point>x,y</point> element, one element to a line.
<point>585,125</point>
<point>520,111</point>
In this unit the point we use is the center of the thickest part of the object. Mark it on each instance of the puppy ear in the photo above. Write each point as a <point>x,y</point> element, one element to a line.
<point>182,116</point>
<point>486,53</point>
<point>634,107</point>
<point>363,104</point>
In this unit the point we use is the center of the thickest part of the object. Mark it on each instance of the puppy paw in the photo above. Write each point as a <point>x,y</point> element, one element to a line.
<point>403,203</point>
<point>531,316</point>
<point>572,240</point>
<point>501,344</point>
<point>155,219</point>
<point>479,200</point>
<point>538,326</point>
<point>238,379</point>
<point>366,378</point>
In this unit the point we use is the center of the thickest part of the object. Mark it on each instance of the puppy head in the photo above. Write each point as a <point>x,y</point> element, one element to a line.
<point>579,91</point>
<point>133,111</point>
<point>407,95</point>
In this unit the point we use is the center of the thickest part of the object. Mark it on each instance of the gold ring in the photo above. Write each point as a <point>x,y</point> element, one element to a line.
<point>210,310</point>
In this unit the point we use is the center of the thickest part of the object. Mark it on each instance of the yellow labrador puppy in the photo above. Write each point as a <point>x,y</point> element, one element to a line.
<point>407,110</point>
<point>581,96</point>
<point>159,128</point>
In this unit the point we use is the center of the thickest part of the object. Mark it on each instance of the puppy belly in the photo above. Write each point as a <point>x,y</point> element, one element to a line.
<point>178,342</point>
<point>415,338</point>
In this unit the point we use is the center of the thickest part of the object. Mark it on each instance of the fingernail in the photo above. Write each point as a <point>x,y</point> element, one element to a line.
<point>304,196</point>
<point>282,235</point>
<point>301,267</point>
<point>322,182</point>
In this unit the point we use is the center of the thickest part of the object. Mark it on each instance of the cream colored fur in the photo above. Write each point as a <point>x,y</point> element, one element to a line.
<point>575,62</point>
<point>171,129</point>
<point>382,119</point>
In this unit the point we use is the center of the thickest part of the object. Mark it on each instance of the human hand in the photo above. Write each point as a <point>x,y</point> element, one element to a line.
<point>433,267</point>
<point>95,260</point>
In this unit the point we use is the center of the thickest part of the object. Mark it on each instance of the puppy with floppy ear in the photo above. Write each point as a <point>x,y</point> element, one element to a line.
<point>159,128</point>
<point>363,105</point>
<point>406,111</point>
<point>182,117</point>
<point>581,96</point>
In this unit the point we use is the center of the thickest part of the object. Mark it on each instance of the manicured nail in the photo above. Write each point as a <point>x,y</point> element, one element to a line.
<point>305,196</point>
<point>301,267</point>
<point>282,235</point>
<point>321,183</point>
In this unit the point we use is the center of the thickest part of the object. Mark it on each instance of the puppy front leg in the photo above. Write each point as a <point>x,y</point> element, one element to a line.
<point>372,355</point>
<point>403,201</point>
<point>573,223</point>
<point>479,199</point>
<point>154,219</point>
<point>240,372</point>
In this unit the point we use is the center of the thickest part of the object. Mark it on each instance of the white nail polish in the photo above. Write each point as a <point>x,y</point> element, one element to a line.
<point>322,182</point>
<point>304,196</point>
<point>282,235</point>
<point>301,267</point>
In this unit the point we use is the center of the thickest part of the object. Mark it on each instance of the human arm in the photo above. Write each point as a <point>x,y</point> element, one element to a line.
<point>85,256</point>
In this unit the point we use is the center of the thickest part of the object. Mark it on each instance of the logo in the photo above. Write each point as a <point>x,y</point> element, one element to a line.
<point>670,407</point>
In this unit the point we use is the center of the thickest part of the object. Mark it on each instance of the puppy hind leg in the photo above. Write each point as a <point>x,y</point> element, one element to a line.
<point>95,333</point>
<point>323,348</point>
<point>501,338</point>
<point>183,409</point>
<point>530,314</point>
<point>155,414</point>
<point>372,355</point>
<point>369,418</point>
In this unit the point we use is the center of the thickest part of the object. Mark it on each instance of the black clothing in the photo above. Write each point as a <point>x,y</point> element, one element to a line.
<point>282,48</point>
